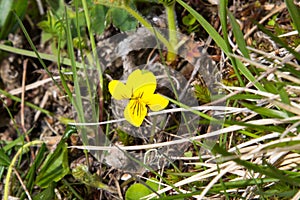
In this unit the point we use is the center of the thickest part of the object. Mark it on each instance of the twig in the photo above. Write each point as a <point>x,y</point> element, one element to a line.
<point>23,106</point>
<point>23,99</point>
<point>40,6</point>
<point>23,185</point>
<point>42,105</point>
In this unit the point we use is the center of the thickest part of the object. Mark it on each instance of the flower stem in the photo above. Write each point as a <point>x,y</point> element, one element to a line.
<point>171,16</point>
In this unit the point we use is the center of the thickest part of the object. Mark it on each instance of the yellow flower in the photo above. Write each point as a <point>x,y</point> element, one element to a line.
<point>139,89</point>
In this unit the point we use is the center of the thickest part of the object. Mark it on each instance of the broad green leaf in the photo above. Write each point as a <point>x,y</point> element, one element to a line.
<point>56,165</point>
<point>5,7</point>
<point>122,19</point>
<point>4,159</point>
<point>98,13</point>
<point>284,96</point>
<point>137,191</point>
<point>31,175</point>
<point>8,21</point>
<point>188,20</point>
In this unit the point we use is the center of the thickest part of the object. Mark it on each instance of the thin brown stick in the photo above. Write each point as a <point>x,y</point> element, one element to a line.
<point>23,99</point>
<point>23,185</point>
<point>23,106</point>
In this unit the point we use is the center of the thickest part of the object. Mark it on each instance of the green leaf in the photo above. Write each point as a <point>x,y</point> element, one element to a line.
<point>56,165</point>
<point>8,21</point>
<point>51,27</point>
<point>188,154</point>
<point>98,13</point>
<point>272,21</point>
<point>4,159</point>
<point>5,7</point>
<point>122,19</point>
<point>31,175</point>
<point>270,87</point>
<point>47,194</point>
<point>137,191</point>
<point>152,184</point>
<point>245,96</point>
<point>188,20</point>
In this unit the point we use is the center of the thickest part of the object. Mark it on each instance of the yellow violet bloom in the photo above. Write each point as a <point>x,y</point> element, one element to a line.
<point>139,89</point>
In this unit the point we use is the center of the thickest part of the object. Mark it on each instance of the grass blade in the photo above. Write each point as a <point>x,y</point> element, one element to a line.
<point>208,28</point>
<point>238,35</point>
<point>294,12</point>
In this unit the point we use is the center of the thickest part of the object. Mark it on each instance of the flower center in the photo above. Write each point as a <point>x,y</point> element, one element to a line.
<point>138,105</point>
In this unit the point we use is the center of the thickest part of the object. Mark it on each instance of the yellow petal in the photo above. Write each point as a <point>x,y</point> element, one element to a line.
<point>141,81</point>
<point>135,112</point>
<point>118,90</point>
<point>156,102</point>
